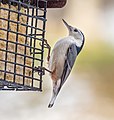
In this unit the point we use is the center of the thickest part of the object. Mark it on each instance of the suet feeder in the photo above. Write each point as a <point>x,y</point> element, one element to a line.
<point>22,42</point>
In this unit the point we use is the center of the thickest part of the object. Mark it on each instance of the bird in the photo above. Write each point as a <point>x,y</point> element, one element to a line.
<point>63,57</point>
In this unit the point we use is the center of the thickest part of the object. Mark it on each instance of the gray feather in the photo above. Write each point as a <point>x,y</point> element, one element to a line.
<point>69,62</point>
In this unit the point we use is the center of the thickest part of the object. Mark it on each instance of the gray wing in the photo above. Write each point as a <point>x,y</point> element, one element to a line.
<point>69,62</point>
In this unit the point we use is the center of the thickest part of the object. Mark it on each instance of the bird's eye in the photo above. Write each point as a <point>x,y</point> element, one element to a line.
<point>75,30</point>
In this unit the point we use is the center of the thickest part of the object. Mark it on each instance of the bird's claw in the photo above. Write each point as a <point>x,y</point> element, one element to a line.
<point>41,70</point>
<point>46,45</point>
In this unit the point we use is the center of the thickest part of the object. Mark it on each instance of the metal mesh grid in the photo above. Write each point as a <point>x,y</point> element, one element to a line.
<point>21,36</point>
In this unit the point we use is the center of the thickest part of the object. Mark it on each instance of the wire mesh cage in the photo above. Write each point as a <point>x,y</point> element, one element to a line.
<point>22,32</point>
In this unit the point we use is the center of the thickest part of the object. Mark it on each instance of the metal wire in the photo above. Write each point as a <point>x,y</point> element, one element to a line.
<point>33,36</point>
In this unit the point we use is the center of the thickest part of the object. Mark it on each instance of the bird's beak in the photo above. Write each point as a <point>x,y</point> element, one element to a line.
<point>67,25</point>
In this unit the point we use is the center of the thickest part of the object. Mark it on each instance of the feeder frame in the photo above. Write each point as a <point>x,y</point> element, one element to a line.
<point>34,16</point>
<point>33,46</point>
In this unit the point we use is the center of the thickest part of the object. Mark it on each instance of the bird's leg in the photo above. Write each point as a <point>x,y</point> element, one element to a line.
<point>49,49</point>
<point>46,45</point>
<point>41,70</point>
<point>47,70</point>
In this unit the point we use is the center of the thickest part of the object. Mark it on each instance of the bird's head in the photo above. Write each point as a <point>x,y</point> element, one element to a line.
<point>76,33</point>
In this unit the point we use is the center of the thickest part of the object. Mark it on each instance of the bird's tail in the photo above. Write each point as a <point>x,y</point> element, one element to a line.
<point>52,101</point>
<point>56,89</point>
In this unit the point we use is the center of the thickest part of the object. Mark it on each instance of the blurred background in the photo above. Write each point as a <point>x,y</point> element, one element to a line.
<point>88,93</point>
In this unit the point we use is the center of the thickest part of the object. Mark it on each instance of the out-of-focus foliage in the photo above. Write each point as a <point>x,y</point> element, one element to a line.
<point>97,56</point>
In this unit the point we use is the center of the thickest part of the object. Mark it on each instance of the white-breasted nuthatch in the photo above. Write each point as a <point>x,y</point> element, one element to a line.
<point>63,57</point>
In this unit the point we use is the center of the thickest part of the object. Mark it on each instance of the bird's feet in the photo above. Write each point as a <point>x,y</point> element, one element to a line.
<point>41,70</point>
<point>46,45</point>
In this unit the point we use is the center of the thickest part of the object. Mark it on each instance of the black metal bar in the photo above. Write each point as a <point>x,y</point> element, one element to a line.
<point>18,64</point>
<point>17,86</point>
<point>31,47</point>
<point>19,75</point>
<point>34,44</point>
<point>17,36</point>
<point>43,35</point>
<point>36,17</point>
<point>8,27</point>
<point>21,55</point>
<point>32,27</point>
<point>21,34</point>
<point>25,46</point>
